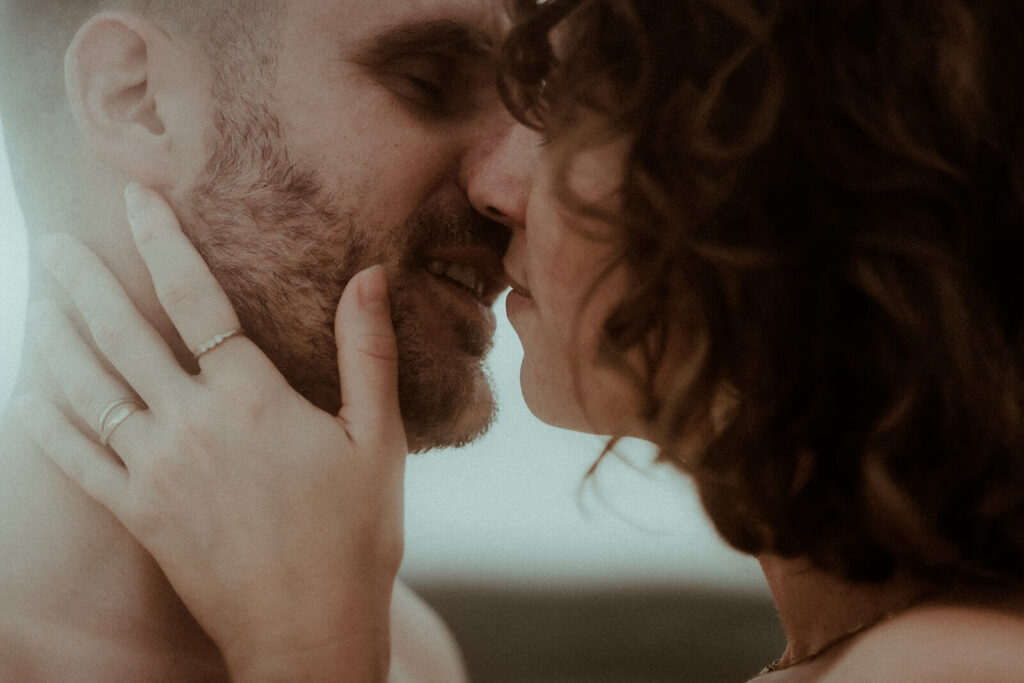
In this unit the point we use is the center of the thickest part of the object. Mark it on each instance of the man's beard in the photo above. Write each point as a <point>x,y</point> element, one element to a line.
<point>282,253</point>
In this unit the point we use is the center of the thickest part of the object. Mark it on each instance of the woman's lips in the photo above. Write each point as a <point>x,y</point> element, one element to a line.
<point>518,300</point>
<point>516,287</point>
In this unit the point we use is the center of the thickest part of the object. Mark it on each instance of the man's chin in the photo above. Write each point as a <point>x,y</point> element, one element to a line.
<point>453,430</point>
<point>423,433</point>
<point>444,405</point>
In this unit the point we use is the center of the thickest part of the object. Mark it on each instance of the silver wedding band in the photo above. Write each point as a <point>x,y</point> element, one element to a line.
<point>114,414</point>
<point>214,342</point>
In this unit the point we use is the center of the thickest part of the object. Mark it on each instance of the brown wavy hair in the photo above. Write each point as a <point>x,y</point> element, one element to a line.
<point>825,200</point>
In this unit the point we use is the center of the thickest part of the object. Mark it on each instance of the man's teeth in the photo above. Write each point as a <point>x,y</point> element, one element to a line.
<point>466,275</point>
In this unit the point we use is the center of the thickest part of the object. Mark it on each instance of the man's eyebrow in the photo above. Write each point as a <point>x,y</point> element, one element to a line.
<point>442,35</point>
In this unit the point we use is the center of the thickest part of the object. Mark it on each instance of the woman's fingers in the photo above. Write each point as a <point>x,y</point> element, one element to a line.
<point>189,293</point>
<point>121,333</point>
<point>368,361</point>
<point>93,468</point>
<point>88,386</point>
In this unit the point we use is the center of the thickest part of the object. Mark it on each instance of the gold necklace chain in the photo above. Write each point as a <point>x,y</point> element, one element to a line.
<point>880,619</point>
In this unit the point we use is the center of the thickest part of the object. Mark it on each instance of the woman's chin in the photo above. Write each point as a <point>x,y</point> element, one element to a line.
<point>549,405</point>
<point>563,410</point>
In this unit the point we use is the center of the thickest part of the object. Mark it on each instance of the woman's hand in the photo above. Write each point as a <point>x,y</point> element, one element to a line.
<point>279,525</point>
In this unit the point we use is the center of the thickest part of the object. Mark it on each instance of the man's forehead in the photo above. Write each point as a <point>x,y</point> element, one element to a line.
<point>485,21</point>
<point>482,12</point>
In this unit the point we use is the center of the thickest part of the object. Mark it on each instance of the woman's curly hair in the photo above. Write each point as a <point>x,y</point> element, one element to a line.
<point>824,205</point>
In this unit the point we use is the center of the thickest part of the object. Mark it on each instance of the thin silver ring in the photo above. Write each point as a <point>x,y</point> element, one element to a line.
<point>214,342</point>
<point>114,414</point>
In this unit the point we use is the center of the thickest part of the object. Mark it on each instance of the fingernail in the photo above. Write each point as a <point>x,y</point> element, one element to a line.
<point>373,290</point>
<point>135,199</point>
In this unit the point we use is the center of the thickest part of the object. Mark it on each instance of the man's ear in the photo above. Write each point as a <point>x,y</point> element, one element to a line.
<point>137,95</point>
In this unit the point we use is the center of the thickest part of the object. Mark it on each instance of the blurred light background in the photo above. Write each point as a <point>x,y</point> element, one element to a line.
<point>507,520</point>
<point>13,277</point>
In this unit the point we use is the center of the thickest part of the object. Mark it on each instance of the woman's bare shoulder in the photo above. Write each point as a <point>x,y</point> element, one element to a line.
<point>937,643</point>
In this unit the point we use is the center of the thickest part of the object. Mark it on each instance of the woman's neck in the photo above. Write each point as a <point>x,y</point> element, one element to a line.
<point>820,610</point>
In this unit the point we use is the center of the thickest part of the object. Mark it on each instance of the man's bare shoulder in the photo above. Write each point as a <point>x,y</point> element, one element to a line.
<point>423,650</point>
<point>953,643</point>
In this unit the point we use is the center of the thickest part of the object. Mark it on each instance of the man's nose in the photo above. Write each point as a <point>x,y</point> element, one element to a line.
<point>497,177</point>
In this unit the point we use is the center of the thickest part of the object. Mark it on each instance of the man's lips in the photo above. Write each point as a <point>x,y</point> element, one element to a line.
<point>477,269</point>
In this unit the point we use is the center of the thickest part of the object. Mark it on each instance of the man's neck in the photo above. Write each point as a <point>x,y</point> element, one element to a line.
<point>80,595</point>
<point>819,610</point>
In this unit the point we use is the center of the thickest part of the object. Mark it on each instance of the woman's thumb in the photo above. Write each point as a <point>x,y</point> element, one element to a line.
<point>368,360</point>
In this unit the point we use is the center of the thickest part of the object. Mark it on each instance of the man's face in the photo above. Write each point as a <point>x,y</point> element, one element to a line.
<point>355,147</point>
